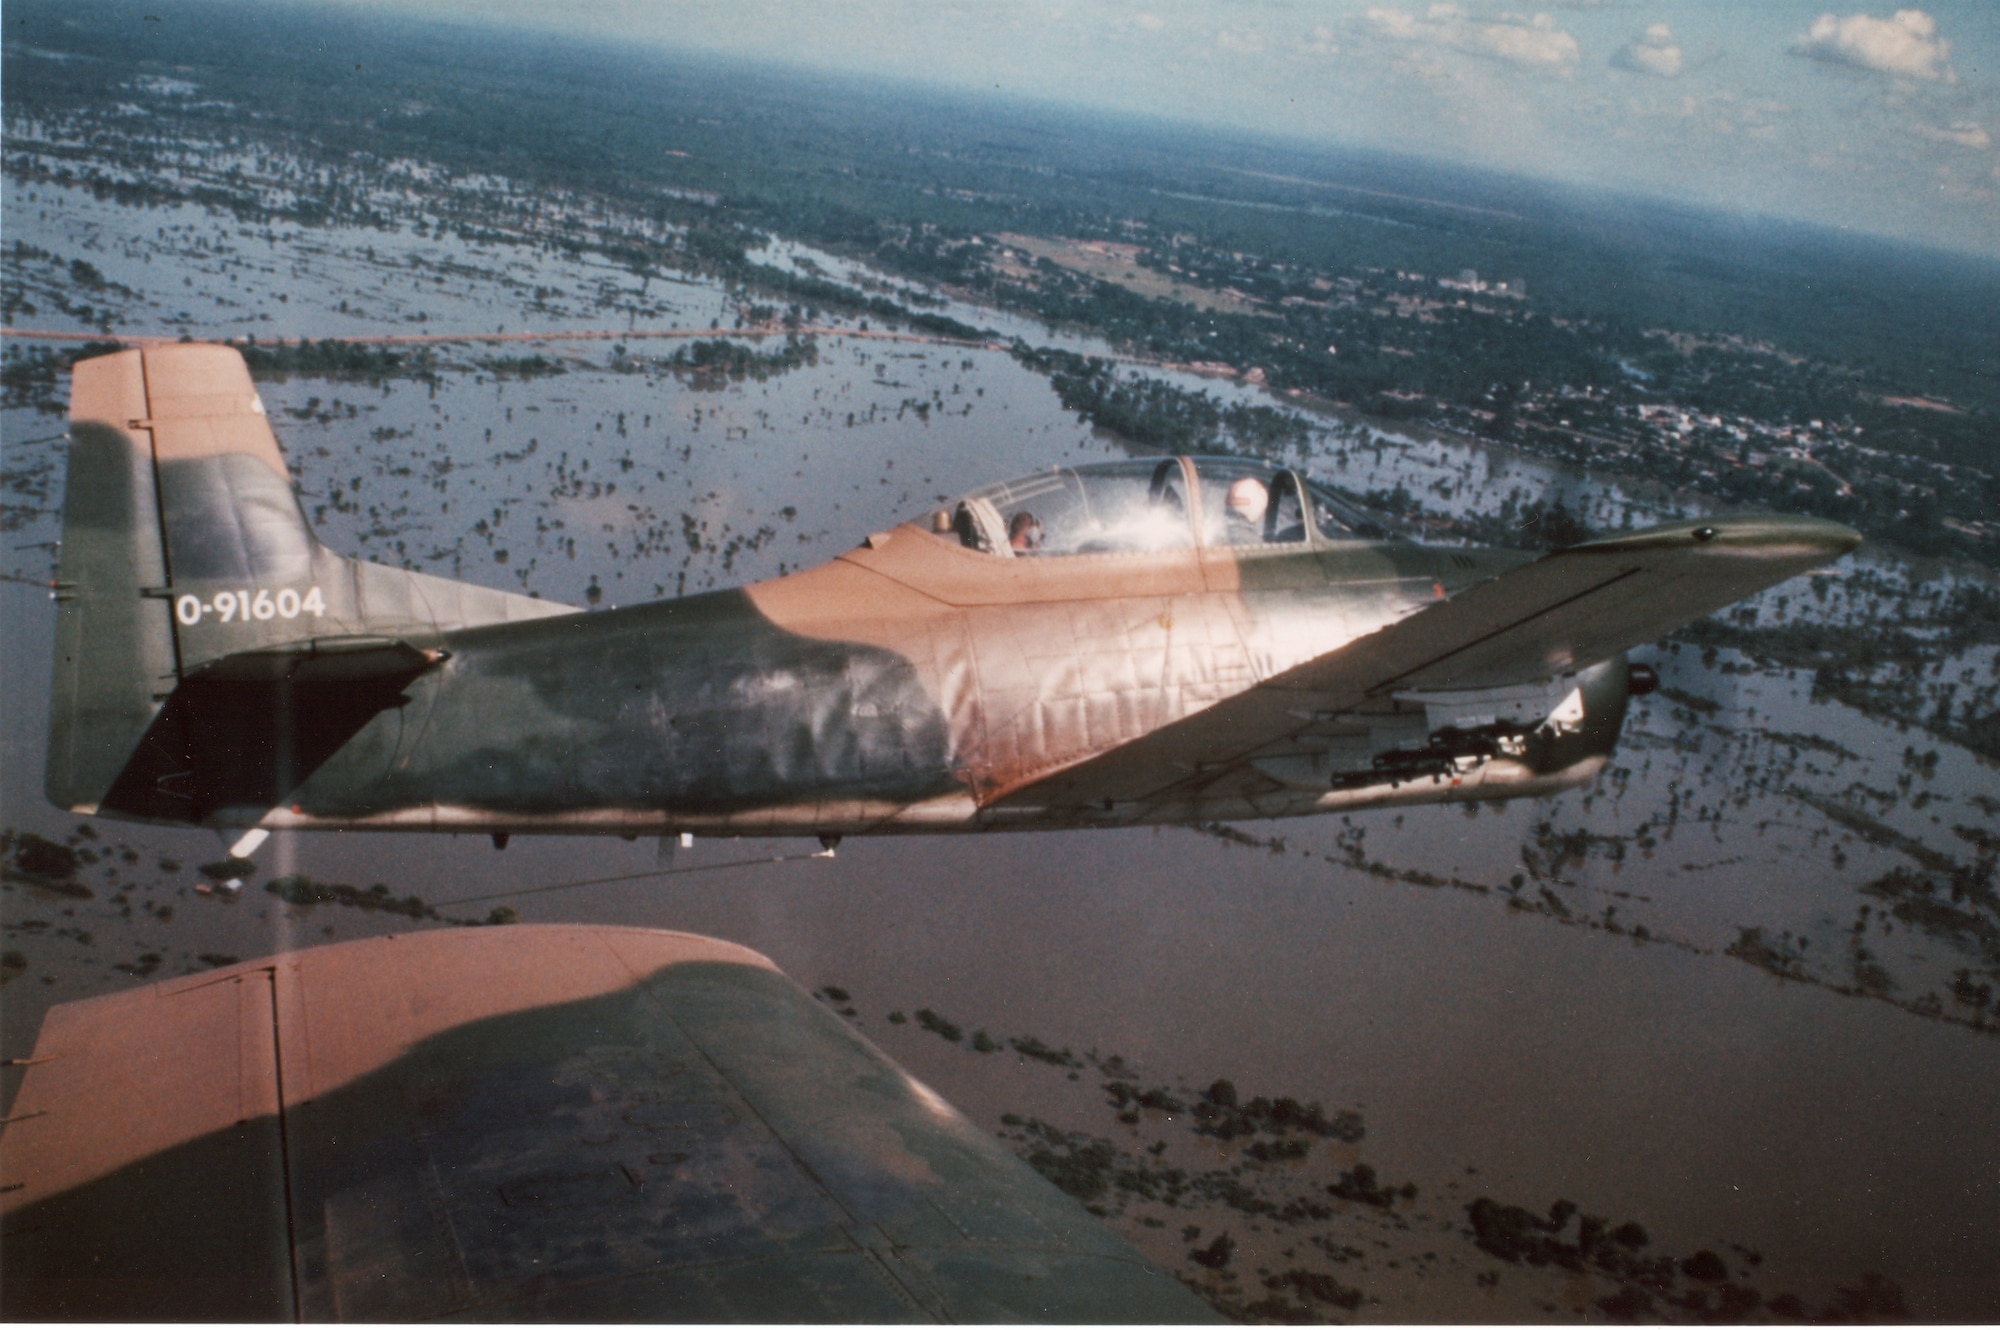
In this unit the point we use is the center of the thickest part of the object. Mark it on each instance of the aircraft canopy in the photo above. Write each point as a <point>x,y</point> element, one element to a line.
<point>1153,504</point>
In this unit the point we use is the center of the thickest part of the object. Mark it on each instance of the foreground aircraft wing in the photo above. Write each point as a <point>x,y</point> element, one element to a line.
<point>1562,613</point>
<point>523,1123</point>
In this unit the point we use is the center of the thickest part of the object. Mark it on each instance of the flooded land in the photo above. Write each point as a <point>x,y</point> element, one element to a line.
<point>1716,1037</point>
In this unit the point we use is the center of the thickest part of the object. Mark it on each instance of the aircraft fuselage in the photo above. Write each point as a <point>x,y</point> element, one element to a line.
<point>901,690</point>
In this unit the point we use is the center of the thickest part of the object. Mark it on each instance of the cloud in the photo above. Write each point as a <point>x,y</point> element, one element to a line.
<point>1321,42</point>
<point>1150,22</point>
<point>1536,43</point>
<point>1244,41</point>
<point>1654,53</point>
<point>1906,45</point>
<point>1965,133</point>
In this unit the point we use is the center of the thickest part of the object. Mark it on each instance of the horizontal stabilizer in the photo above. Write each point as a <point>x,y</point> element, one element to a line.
<point>245,731</point>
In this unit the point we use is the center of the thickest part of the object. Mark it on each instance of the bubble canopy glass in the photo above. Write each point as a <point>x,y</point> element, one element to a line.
<point>1152,504</point>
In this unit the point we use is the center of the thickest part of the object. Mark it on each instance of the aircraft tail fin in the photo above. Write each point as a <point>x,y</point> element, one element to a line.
<point>184,547</point>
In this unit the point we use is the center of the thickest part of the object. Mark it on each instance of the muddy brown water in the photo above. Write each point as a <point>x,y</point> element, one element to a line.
<point>1552,1057</point>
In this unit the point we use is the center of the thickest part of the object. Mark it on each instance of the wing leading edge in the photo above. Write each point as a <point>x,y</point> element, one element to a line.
<point>1562,613</point>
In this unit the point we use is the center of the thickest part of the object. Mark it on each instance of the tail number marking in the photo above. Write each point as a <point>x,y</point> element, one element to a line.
<point>244,604</point>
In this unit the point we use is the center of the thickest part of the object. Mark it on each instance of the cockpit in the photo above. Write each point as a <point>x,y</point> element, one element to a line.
<point>1149,505</point>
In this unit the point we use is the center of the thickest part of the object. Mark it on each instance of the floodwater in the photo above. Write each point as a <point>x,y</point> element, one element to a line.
<point>1532,1001</point>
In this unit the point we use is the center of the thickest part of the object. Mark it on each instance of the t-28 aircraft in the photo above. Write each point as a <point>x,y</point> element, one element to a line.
<point>1160,640</point>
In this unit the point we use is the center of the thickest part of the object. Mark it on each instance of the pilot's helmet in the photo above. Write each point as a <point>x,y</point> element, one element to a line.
<point>1248,499</point>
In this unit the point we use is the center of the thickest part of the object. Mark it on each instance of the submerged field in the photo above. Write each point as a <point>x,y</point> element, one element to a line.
<point>1715,1036</point>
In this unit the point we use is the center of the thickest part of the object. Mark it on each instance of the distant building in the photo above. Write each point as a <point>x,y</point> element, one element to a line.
<point>1468,280</point>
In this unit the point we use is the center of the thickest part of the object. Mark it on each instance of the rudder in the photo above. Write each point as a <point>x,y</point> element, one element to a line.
<point>114,639</point>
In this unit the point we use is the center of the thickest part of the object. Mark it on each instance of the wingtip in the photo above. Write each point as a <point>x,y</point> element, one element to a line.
<point>1817,535</point>
<point>1773,534</point>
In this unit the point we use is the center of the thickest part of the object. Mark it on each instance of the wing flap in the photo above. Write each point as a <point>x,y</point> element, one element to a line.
<point>1563,612</point>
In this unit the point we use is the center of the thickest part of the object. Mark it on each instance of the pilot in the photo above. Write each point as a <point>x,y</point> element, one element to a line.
<point>1248,501</point>
<point>1024,532</point>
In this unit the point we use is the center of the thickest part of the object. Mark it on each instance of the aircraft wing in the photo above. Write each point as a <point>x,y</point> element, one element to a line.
<point>1563,612</point>
<point>522,1123</point>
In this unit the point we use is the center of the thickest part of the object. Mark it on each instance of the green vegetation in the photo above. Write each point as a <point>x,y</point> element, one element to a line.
<point>38,857</point>
<point>536,366</point>
<point>1781,956</point>
<point>1358,1184</point>
<point>812,294</point>
<point>1035,1049</point>
<point>1655,1288</point>
<point>713,362</point>
<point>1277,1205</point>
<point>1535,525</point>
<point>1221,1115</point>
<point>332,360</point>
<point>38,862</point>
<point>298,889</point>
<point>141,967</point>
<point>1158,414</point>
<point>1216,1254</point>
<point>1310,1285</point>
<point>1886,667</point>
<point>1944,905</point>
<point>1080,1165</point>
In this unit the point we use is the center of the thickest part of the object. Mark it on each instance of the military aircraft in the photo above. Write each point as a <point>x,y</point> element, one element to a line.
<point>1160,640</point>
<point>531,1123</point>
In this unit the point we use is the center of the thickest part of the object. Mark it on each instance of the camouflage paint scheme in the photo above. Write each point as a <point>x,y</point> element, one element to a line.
<point>531,1123</point>
<point>917,683</point>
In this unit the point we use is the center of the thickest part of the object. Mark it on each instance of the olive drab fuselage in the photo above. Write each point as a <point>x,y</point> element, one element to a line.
<point>903,686</point>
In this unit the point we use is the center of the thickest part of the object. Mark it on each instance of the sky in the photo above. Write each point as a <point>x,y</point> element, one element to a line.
<point>1874,119</point>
